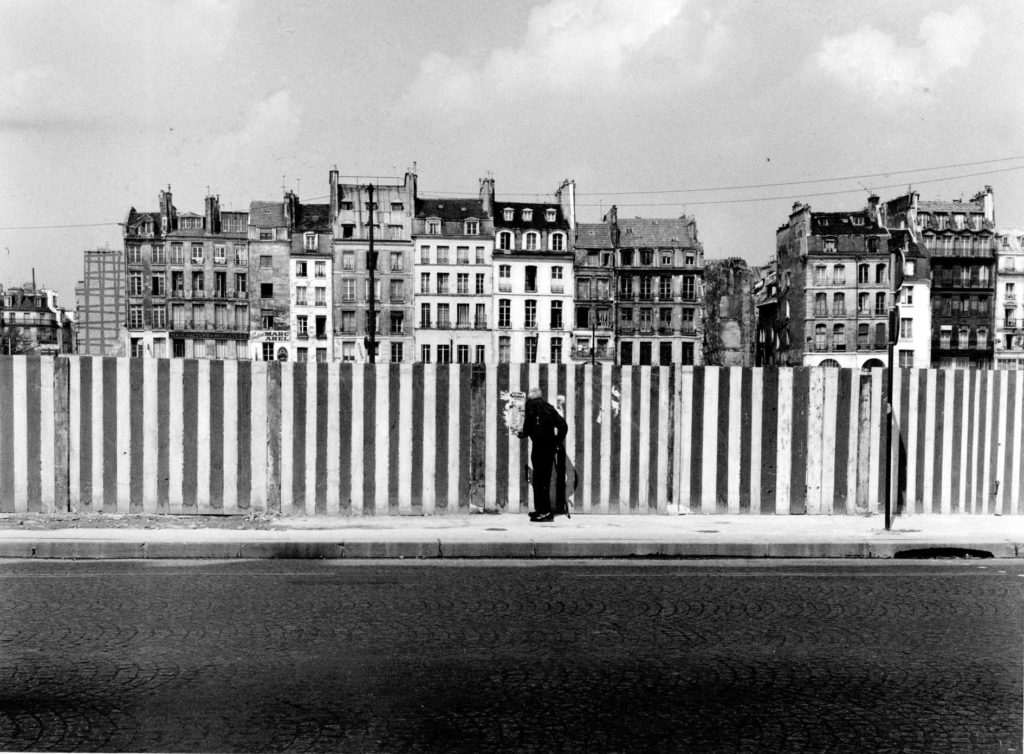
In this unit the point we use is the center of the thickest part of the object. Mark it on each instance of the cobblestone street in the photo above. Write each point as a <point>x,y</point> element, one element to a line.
<point>487,656</point>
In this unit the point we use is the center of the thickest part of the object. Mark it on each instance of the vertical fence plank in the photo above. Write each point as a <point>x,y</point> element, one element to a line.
<point>61,434</point>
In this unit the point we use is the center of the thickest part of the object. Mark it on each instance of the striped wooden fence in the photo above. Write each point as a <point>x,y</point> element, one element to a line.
<point>201,436</point>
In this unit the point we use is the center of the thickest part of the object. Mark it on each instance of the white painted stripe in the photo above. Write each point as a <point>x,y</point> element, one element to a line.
<point>735,435</point>
<point>584,499</point>
<point>74,433</point>
<point>664,419</point>
<point>928,493</point>
<point>756,418</point>
<point>643,449</point>
<point>514,471</point>
<point>709,455</point>
<point>19,367</point>
<point>853,440</point>
<point>949,417</point>
<point>828,441</point>
<point>491,459</point>
<point>784,444</point>
<point>258,436</point>
<point>877,428</point>
<point>124,438</point>
<point>334,430</point>
<point>405,392</point>
<point>910,429</point>
<point>47,492</point>
<point>1015,506</point>
<point>1001,411</point>
<point>382,438</point>
<point>684,444</point>
<point>962,409</point>
<point>430,420</point>
<point>230,404</point>
<point>312,413</point>
<point>150,434</point>
<point>457,452</point>
<point>175,438</point>
<point>358,420</point>
<point>984,492</point>
<point>608,422</point>
<point>815,440</point>
<point>571,495</point>
<point>204,442</point>
<point>99,459</point>
<point>627,439</point>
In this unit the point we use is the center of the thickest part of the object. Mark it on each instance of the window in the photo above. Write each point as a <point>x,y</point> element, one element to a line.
<point>159,318</point>
<point>480,255</point>
<point>857,219</point>
<point>302,325</point>
<point>348,351</point>
<point>268,352</point>
<point>839,305</point>
<point>481,355</point>
<point>550,214</point>
<point>472,227</point>
<point>266,261</point>
<point>909,269</point>
<point>556,350</point>
<point>218,254</point>
<point>504,312</point>
<point>134,254</point>
<point>442,282</point>
<point>504,240</point>
<point>442,255</point>
<point>425,315</point>
<point>424,282</point>
<point>509,214</point>
<point>819,337</point>
<point>320,326</point>
<point>321,269</point>
<point>300,296</point>
<point>462,282</point>
<point>425,354</point>
<point>434,227</point>
<point>582,316</point>
<point>444,354</point>
<point>530,320</point>
<point>300,269</point>
<point>480,321</point>
<point>266,290</point>
<point>397,353</point>
<point>135,317</point>
<point>321,296</point>
<point>820,305</point>
<point>396,261</point>
<point>397,291</point>
<point>462,354</point>
<point>839,338</point>
<point>527,215</point>
<point>197,283</point>
<point>159,255</point>
<point>880,305</point>
<point>197,253</point>
<point>348,260</point>
<point>873,245</point>
<point>830,245</point>
<point>504,349</point>
<point>880,276</point>
<point>309,241</point>
<point>462,254</point>
<point>530,349</point>
<point>135,285</point>
<point>689,287</point>
<point>530,241</point>
<point>626,257</point>
<point>177,255</point>
<point>906,327</point>
<point>863,273</point>
<point>556,315</point>
<point>819,275</point>
<point>480,283</point>
<point>557,242</point>
<point>397,323</point>
<point>839,275</point>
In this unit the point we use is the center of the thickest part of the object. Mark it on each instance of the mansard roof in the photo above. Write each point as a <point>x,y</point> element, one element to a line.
<point>655,232</point>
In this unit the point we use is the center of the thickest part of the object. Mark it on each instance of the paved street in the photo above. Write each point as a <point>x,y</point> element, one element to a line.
<point>504,656</point>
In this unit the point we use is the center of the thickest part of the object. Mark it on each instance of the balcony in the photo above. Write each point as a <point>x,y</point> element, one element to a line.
<point>688,330</point>
<point>557,288</point>
<point>530,326</point>
<point>955,344</point>
<point>627,328</point>
<point>1010,324</point>
<point>665,330</point>
<point>586,353</point>
<point>302,336</point>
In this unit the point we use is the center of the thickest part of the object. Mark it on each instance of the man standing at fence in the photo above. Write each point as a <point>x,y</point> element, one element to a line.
<point>546,429</point>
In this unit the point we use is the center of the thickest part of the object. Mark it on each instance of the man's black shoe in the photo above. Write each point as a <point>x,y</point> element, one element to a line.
<point>543,518</point>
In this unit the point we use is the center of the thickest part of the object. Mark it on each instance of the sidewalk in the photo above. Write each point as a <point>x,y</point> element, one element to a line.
<point>98,536</point>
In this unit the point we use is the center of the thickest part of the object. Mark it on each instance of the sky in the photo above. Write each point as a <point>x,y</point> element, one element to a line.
<point>105,103</point>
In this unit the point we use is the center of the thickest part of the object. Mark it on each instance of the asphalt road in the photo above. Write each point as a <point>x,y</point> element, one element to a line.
<point>502,656</point>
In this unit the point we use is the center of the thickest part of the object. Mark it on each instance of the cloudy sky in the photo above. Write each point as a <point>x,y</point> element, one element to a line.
<point>104,103</point>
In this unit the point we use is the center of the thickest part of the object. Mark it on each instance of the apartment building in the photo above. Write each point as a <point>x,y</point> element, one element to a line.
<point>533,278</point>
<point>833,289</point>
<point>594,270</point>
<point>454,246</point>
<point>270,245</point>
<point>310,270</point>
<point>31,322</point>
<point>659,291</point>
<point>1009,299</point>
<point>182,272</point>
<point>101,303</point>
<point>392,210</point>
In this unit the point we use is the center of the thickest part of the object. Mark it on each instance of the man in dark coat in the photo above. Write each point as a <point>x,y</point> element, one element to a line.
<point>546,429</point>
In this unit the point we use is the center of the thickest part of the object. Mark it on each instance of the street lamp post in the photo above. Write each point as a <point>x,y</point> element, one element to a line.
<point>896,272</point>
<point>371,263</point>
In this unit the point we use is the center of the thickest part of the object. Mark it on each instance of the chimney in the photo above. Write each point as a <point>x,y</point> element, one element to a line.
<point>612,218</point>
<point>213,214</point>
<point>168,215</point>
<point>987,204</point>
<point>797,206</point>
<point>873,208</point>
<point>487,195</point>
<point>567,198</point>
<point>332,177</point>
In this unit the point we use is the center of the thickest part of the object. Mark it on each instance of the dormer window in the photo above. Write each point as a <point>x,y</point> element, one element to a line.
<point>530,241</point>
<point>527,215</point>
<point>434,227</point>
<point>309,242</point>
<point>472,227</point>
<point>509,214</point>
<point>556,242</point>
<point>856,219</point>
<point>550,215</point>
<point>830,245</point>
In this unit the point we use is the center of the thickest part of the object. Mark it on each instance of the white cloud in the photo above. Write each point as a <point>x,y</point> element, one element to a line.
<point>271,124</point>
<point>874,61</point>
<point>567,44</point>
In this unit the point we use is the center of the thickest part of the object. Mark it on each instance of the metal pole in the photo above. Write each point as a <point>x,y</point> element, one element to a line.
<point>371,263</point>
<point>593,336</point>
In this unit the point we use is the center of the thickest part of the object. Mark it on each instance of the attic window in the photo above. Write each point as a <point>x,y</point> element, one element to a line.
<point>527,215</point>
<point>549,215</point>
<point>434,226</point>
<point>472,227</point>
<point>509,214</point>
<point>856,219</point>
<point>397,206</point>
<point>344,205</point>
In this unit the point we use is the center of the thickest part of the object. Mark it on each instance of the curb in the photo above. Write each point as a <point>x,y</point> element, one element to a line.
<point>418,549</point>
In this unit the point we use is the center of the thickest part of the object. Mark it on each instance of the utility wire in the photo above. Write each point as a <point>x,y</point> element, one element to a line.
<point>51,227</point>
<point>805,195</point>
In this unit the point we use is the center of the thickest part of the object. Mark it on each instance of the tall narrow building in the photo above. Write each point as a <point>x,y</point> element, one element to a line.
<point>594,270</point>
<point>101,303</point>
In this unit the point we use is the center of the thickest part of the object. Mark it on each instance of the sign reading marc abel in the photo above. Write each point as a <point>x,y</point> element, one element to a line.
<point>265,336</point>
